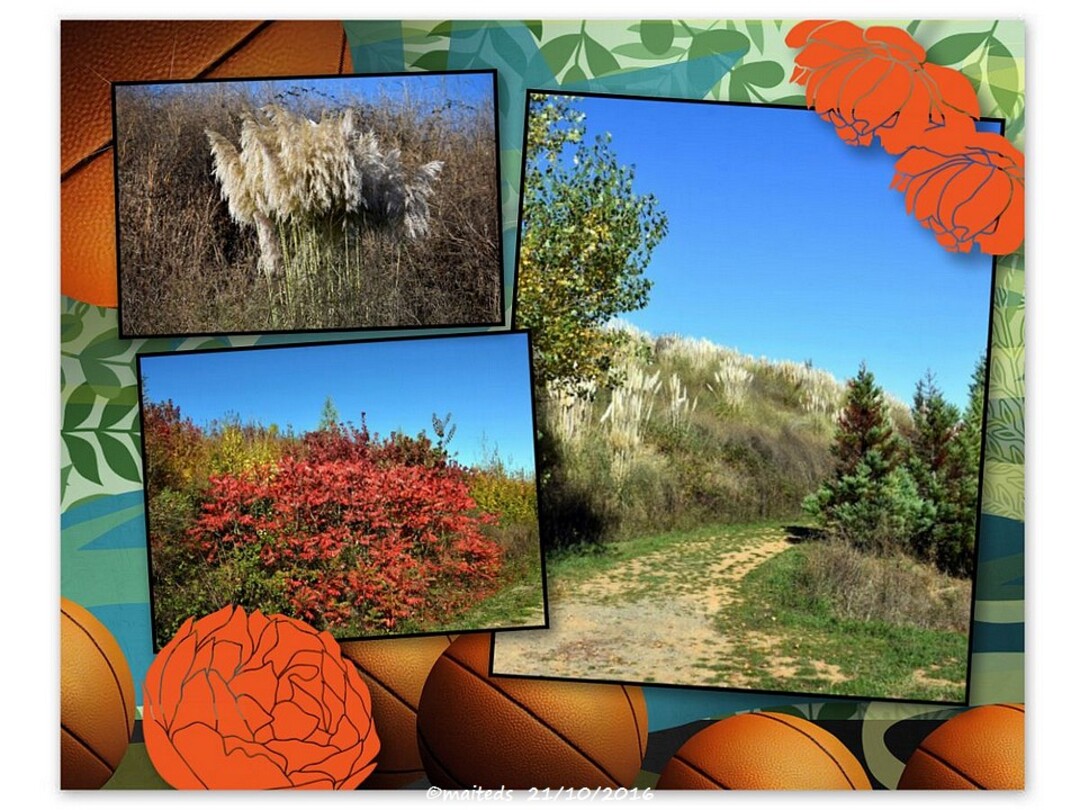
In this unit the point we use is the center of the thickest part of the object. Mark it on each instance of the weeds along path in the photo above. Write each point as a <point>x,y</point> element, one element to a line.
<point>653,617</point>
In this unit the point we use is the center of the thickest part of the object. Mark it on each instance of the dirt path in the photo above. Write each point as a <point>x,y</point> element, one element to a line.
<point>652,618</point>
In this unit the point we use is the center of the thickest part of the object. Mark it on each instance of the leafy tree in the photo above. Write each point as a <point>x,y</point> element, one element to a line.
<point>586,240</point>
<point>872,502</point>
<point>444,430</point>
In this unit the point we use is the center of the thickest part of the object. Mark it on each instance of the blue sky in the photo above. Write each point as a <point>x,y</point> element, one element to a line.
<point>483,381</point>
<point>783,241</point>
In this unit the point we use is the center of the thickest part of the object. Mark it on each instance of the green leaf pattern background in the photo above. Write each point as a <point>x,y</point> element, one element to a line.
<point>103,554</point>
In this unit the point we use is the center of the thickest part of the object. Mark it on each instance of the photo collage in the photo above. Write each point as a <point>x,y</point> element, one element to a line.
<point>583,407</point>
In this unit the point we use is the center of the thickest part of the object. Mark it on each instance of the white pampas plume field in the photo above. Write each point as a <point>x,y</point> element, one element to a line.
<point>694,434</point>
<point>294,205</point>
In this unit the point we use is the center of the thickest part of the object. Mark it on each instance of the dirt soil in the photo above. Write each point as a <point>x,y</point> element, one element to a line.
<point>652,618</point>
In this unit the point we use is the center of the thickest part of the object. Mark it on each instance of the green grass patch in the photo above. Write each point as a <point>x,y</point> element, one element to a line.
<point>780,625</point>
<point>516,605</point>
<point>568,567</point>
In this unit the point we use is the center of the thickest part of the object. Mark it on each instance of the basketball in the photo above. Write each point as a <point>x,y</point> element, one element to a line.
<point>980,749</point>
<point>94,53</point>
<point>479,731</point>
<point>395,671</point>
<point>97,700</point>
<point>763,751</point>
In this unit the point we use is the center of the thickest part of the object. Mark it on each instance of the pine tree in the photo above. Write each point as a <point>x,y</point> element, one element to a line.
<point>955,539</point>
<point>973,415</point>
<point>937,424</point>
<point>864,427</point>
<point>945,465</point>
<point>330,419</point>
<point>872,502</point>
<point>932,462</point>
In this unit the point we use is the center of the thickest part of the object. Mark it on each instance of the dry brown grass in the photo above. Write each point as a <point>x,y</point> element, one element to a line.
<point>186,267</point>
<point>894,589</point>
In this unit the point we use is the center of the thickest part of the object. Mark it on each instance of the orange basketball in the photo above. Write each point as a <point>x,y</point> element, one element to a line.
<point>763,751</point>
<point>97,700</point>
<point>476,730</point>
<point>94,53</point>
<point>981,749</point>
<point>395,670</point>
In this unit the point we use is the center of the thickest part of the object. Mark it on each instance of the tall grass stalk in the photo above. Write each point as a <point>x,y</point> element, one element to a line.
<point>307,186</point>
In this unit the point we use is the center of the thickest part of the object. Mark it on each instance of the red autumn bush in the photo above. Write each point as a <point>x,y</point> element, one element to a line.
<point>877,82</point>
<point>967,188</point>
<point>343,442</point>
<point>356,532</point>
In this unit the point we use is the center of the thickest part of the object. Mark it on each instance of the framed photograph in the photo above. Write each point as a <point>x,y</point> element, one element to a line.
<point>307,204</point>
<point>370,489</point>
<point>776,443</point>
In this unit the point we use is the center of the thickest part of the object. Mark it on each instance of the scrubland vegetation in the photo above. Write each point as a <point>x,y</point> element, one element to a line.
<point>246,208</point>
<point>699,449</point>
<point>697,434</point>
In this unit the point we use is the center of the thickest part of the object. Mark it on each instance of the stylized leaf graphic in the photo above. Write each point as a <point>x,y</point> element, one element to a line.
<point>657,35</point>
<point>601,62</point>
<point>558,51</point>
<point>79,405</point>
<point>955,48</point>
<point>83,457</point>
<point>432,60</point>
<point>1003,77</point>
<point>119,458</point>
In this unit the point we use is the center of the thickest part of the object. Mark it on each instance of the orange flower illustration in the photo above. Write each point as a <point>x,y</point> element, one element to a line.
<point>877,82</point>
<point>254,702</point>
<point>967,189</point>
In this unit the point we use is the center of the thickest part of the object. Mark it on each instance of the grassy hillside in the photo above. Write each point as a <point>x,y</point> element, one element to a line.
<point>696,434</point>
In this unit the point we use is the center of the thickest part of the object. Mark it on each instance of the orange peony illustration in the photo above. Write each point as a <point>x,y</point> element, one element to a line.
<point>876,82</point>
<point>967,188</point>
<point>247,701</point>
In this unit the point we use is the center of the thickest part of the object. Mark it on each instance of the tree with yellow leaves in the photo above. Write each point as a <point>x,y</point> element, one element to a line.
<point>586,239</point>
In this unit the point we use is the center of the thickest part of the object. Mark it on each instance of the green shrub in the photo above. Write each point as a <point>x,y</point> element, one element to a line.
<point>872,509</point>
<point>510,497</point>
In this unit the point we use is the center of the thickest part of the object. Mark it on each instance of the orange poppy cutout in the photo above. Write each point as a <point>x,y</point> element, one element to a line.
<point>968,188</point>
<point>877,82</point>
<point>247,701</point>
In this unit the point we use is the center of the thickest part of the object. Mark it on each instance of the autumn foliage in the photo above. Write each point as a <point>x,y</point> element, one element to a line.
<point>343,529</point>
<point>353,538</point>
